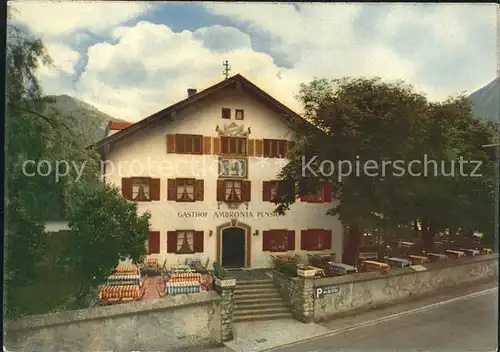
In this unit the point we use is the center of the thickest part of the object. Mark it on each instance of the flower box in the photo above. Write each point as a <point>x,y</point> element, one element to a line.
<point>226,282</point>
<point>306,271</point>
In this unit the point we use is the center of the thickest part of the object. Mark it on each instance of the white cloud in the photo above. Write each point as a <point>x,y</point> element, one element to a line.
<point>57,78</point>
<point>321,41</point>
<point>63,57</point>
<point>169,64</point>
<point>435,48</point>
<point>60,18</point>
<point>220,38</point>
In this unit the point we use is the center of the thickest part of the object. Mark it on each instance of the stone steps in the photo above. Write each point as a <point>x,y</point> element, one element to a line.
<point>250,291</point>
<point>262,316</point>
<point>258,300</point>
<point>243,305</point>
<point>257,295</point>
<point>253,287</point>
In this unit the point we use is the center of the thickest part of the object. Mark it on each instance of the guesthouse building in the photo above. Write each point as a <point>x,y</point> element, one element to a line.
<point>206,169</point>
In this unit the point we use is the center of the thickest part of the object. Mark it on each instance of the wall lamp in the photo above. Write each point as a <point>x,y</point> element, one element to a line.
<point>210,233</point>
<point>256,233</point>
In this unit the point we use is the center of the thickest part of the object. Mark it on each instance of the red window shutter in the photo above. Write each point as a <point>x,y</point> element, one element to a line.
<point>276,236</point>
<point>199,186</point>
<point>216,146</point>
<point>154,242</point>
<point>197,143</point>
<point>250,147</point>
<point>327,239</point>
<point>327,192</point>
<point>266,240</point>
<point>221,191</point>
<point>290,240</point>
<point>127,188</point>
<point>171,242</point>
<point>207,145</point>
<point>172,191</point>
<point>304,240</point>
<point>246,191</point>
<point>170,143</point>
<point>266,191</point>
<point>259,148</point>
<point>198,241</point>
<point>155,188</point>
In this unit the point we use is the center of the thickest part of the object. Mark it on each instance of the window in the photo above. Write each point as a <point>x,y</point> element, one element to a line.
<point>233,145</point>
<point>322,195</point>
<point>185,241</point>
<point>278,240</point>
<point>188,143</point>
<point>316,240</point>
<point>141,189</point>
<point>270,189</point>
<point>185,190</point>
<point>274,148</point>
<point>274,190</point>
<point>233,191</point>
<point>226,113</point>
<point>239,114</point>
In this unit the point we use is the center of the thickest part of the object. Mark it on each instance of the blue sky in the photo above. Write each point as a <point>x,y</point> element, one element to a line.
<point>131,59</point>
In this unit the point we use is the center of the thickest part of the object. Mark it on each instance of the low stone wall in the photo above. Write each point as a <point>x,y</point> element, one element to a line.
<point>284,285</point>
<point>298,293</point>
<point>366,290</point>
<point>160,325</point>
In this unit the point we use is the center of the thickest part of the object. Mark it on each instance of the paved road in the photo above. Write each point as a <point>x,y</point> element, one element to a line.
<point>467,325</point>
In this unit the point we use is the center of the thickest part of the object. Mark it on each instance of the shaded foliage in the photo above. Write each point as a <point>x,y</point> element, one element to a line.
<point>387,125</point>
<point>105,227</point>
<point>36,132</point>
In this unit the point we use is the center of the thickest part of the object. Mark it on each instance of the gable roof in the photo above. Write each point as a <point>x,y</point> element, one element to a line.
<point>236,80</point>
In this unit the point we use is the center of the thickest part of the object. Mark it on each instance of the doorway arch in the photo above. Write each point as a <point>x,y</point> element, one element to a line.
<point>238,237</point>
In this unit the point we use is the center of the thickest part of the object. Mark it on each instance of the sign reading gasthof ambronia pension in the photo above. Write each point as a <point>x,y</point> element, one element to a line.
<point>227,214</point>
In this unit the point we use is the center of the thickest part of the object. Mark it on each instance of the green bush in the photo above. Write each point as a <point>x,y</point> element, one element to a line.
<point>220,272</point>
<point>288,269</point>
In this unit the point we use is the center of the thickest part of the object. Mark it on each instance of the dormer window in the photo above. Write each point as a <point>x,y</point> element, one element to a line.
<point>239,114</point>
<point>226,113</point>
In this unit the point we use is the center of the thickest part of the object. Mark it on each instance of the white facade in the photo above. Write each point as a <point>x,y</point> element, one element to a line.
<point>144,154</point>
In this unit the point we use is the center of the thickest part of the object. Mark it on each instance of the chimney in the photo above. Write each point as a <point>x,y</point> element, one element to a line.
<point>192,91</point>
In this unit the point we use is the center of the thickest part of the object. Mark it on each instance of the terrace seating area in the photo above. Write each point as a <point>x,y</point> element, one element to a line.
<point>150,281</point>
<point>400,254</point>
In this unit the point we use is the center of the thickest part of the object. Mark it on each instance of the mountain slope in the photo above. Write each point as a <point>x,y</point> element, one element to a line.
<point>486,101</point>
<point>89,121</point>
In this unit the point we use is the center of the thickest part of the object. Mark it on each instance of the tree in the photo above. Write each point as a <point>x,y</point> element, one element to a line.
<point>104,227</point>
<point>34,133</point>
<point>451,197</point>
<point>367,121</point>
<point>360,120</point>
<point>37,132</point>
